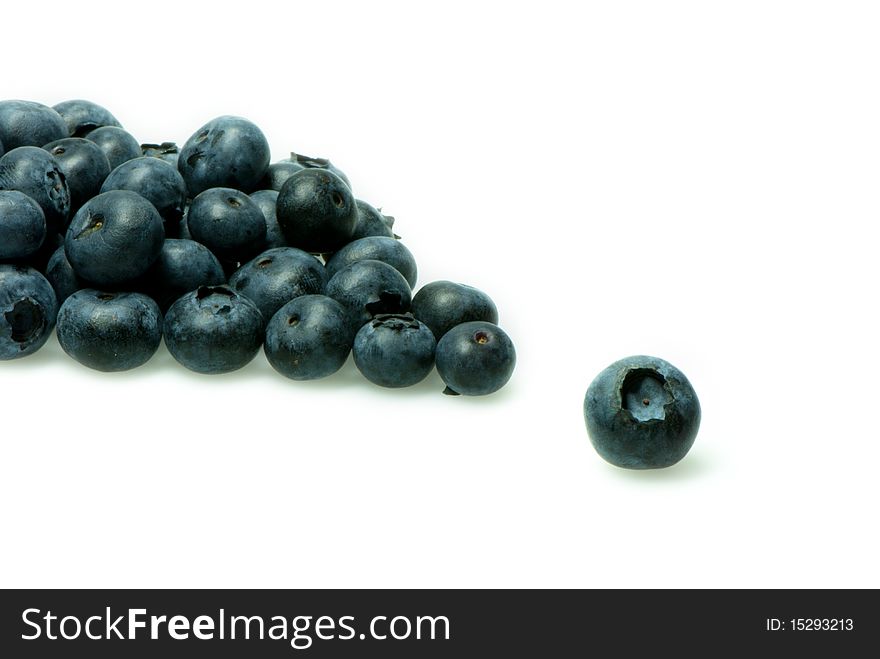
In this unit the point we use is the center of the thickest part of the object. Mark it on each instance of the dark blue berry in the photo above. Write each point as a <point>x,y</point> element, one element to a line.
<point>316,211</point>
<point>114,238</point>
<point>167,151</point>
<point>642,413</point>
<point>277,276</point>
<point>118,145</point>
<point>36,173</point>
<point>25,123</point>
<point>156,181</point>
<point>60,274</point>
<point>309,162</point>
<point>213,330</point>
<point>368,288</point>
<point>278,173</point>
<point>227,152</point>
<point>394,350</point>
<point>378,248</point>
<point>266,200</point>
<point>28,308</point>
<point>84,166</point>
<point>109,331</point>
<point>82,117</point>
<point>442,305</point>
<point>227,222</point>
<point>22,225</point>
<point>475,358</point>
<point>182,266</point>
<point>308,338</point>
<point>371,222</point>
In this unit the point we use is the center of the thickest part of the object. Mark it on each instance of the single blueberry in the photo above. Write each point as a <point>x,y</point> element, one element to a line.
<point>309,162</point>
<point>84,166</point>
<point>316,211</point>
<point>475,358</point>
<point>266,200</point>
<point>442,305</point>
<point>25,123</point>
<point>82,117</point>
<point>213,330</point>
<point>33,171</point>
<point>109,331</point>
<point>368,288</point>
<point>641,413</point>
<point>167,151</point>
<point>28,308</point>
<point>60,274</point>
<point>378,248</point>
<point>277,276</point>
<point>22,225</point>
<point>227,222</point>
<point>371,222</point>
<point>117,144</point>
<point>308,338</point>
<point>182,266</point>
<point>394,350</point>
<point>278,173</point>
<point>114,238</point>
<point>227,152</point>
<point>156,181</point>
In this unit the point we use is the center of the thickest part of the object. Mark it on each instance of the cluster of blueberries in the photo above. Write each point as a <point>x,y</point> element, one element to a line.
<point>118,244</point>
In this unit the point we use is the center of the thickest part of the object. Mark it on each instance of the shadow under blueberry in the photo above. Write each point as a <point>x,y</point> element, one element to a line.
<point>691,467</point>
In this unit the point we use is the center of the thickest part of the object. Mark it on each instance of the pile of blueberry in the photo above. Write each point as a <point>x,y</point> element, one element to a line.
<point>220,253</point>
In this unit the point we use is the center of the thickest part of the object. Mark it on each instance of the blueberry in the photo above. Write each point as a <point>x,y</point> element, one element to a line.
<point>377,248</point>
<point>394,350</point>
<point>277,276</point>
<point>266,200</point>
<point>642,413</point>
<point>117,144</point>
<point>114,238</point>
<point>22,225</point>
<point>84,166</point>
<point>371,222</point>
<point>368,288</point>
<point>213,330</point>
<point>308,338</point>
<point>167,151</point>
<point>475,358</point>
<point>36,173</point>
<point>60,274</point>
<point>316,211</point>
<point>228,222</point>
<point>27,311</point>
<point>182,266</point>
<point>82,117</point>
<point>227,152</point>
<point>25,123</point>
<point>442,305</point>
<point>317,163</point>
<point>109,331</point>
<point>278,173</point>
<point>156,181</point>
<point>2,151</point>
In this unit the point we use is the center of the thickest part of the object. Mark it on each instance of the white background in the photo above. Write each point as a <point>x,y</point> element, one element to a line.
<point>697,181</point>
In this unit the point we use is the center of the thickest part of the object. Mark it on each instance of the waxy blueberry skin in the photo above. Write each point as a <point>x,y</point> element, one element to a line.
<point>109,331</point>
<point>22,225</point>
<point>82,117</point>
<point>308,162</point>
<point>84,166</point>
<point>642,413</point>
<point>227,152</point>
<point>33,171</point>
<point>227,222</point>
<point>442,305</point>
<point>278,173</point>
<point>213,330</point>
<point>266,200</point>
<point>277,276</point>
<point>308,338</point>
<point>368,288</point>
<point>28,308</point>
<point>25,123</point>
<point>167,151</point>
<point>114,238</point>
<point>117,144</point>
<point>182,266</point>
<point>156,181</point>
<point>378,248</point>
<point>394,350</point>
<point>61,276</point>
<point>371,222</point>
<point>316,211</point>
<point>475,358</point>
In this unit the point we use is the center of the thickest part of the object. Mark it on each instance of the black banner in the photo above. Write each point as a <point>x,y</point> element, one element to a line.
<point>444,623</point>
